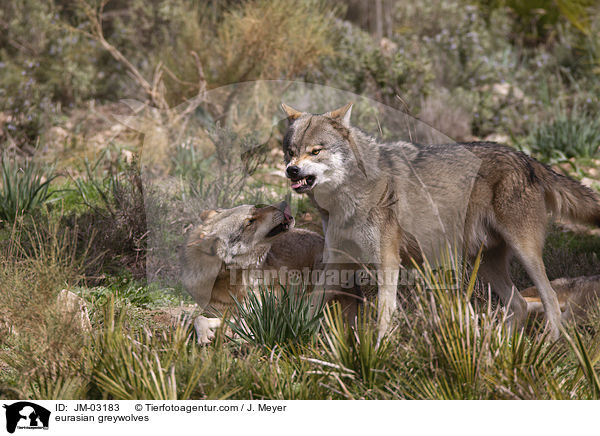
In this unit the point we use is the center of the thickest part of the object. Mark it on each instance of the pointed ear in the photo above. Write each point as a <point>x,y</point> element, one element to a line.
<point>202,242</point>
<point>291,113</point>
<point>206,214</point>
<point>342,114</point>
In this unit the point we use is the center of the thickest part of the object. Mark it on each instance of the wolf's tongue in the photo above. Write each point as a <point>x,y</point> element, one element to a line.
<point>296,184</point>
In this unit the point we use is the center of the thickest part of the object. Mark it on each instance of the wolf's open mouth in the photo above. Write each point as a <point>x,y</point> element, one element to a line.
<point>283,227</point>
<point>303,185</point>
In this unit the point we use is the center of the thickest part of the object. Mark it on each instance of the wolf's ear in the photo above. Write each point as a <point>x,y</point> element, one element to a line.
<point>206,214</point>
<point>342,114</point>
<point>203,242</point>
<point>291,113</point>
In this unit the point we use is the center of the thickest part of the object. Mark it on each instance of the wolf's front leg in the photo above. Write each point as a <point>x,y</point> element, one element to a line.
<point>387,276</point>
<point>205,329</point>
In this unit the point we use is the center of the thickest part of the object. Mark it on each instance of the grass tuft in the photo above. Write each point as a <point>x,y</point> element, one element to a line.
<point>270,317</point>
<point>568,136</point>
<point>24,188</point>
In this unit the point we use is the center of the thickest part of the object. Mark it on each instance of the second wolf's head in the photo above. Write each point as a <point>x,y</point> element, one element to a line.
<point>319,149</point>
<point>241,236</point>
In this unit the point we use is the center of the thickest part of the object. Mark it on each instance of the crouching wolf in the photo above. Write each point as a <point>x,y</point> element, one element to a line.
<point>390,202</point>
<point>575,296</point>
<point>233,249</point>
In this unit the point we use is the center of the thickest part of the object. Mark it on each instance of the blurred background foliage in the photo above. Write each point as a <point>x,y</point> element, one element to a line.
<point>505,65</point>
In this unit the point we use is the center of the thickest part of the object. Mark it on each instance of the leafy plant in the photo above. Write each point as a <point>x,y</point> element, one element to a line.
<point>218,179</point>
<point>130,291</point>
<point>115,210</point>
<point>24,188</point>
<point>270,317</point>
<point>354,348</point>
<point>146,365</point>
<point>567,136</point>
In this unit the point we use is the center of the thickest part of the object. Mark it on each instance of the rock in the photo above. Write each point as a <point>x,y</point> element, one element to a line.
<point>57,136</point>
<point>128,156</point>
<point>505,89</point>
<point>497,137</point>
<point>74,309</point>
<point>388,47</point>
<point>586,181</point>
<point>174,316</point>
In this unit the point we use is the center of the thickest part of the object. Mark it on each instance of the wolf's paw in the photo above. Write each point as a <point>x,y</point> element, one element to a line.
<point>205,329</point>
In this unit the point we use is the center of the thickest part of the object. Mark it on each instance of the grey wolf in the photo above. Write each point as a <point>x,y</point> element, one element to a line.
<point>390,202</point>
<point>233,249</point>
<point>575,296</point>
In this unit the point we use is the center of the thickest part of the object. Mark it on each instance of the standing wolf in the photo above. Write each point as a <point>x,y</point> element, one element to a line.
<point>388,202</point>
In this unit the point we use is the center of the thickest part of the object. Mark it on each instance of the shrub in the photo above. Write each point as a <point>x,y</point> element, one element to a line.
<point>219,178</point>
<point>568,136</point>
<point>536,21</point>
<point>24,188</point>
<point>354,349</point>
<point>270,317</point>
<point>116,215</point>
<point>46,67</point>
<point>361,65</point>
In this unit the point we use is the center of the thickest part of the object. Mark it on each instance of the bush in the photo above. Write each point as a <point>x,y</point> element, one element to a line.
<point>568,136</point>
<point>46,67</point>
<point>361,65</point>
<point>116,216</point>
<point>536,21</point>
<point>24,188</point>
<point>354,349</point>
<point>270,317</point>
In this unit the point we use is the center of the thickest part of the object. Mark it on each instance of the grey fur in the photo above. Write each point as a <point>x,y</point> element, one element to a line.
<point>575,296</point>
<point>386,202</point>
<point>237,240</point>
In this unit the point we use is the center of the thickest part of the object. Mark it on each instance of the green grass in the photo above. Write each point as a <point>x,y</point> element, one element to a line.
<point>272,317</point>
<point>566,254</point>
<point>354,349</point>
<point>444,345</point>
<point>131,291</point>
<point>568,136</point>
<point>24,187</point>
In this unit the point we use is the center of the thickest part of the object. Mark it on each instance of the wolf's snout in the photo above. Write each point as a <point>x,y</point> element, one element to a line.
<point>292,171</point>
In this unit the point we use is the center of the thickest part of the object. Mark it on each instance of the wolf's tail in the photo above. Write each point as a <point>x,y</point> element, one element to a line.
<point>569,199</point>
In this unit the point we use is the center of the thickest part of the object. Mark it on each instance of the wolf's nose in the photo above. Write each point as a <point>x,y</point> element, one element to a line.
<point>292,171</point>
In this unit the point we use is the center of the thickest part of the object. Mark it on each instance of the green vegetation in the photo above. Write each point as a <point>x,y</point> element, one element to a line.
<point>573,136</point>
<point>272,317</point>
<point>78,202</point>
<point>24,188</point>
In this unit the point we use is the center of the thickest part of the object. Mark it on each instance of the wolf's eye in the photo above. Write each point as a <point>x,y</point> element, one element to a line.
<point>315,151</point>
<point>290,153</point>
<point>250,221</point>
